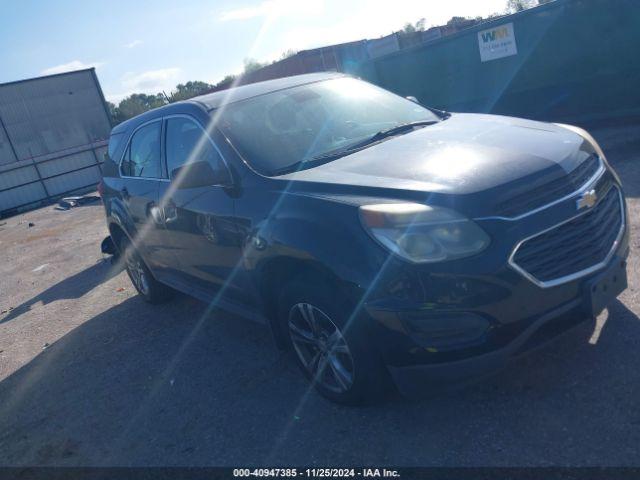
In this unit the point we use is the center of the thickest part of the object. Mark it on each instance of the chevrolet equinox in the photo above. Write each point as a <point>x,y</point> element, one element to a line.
<point>377,238</point>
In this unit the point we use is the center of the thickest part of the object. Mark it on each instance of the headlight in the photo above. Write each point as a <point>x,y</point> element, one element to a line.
<point>423,234</point>
<point>586,135</point>
<point>592,141</point>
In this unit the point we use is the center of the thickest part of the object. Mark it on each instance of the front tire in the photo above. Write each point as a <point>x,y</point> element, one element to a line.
<point>329,347</point>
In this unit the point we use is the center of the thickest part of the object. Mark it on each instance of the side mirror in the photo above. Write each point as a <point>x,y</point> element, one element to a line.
<point>412,98</point>
<point>199,174</point>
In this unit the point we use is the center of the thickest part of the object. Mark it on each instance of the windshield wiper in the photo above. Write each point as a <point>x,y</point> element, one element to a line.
<point>390,132</point>
<point>294,167</point>
<point>376,137</point>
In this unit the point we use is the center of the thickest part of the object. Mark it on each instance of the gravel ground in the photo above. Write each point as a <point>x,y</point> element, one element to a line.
<point>92,375</point>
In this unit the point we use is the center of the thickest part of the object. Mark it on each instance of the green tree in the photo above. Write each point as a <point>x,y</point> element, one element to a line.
<point>514,6</point>
<point>251,65</point>
<point>419,26</point>
<point>287,53</point>
<point>494,15</point>
<point>224,83</point>
<point>453,21</point>
<point>190,90</point>
<point>114,113</point>
<point>138,103</point>
<point>408,28</point>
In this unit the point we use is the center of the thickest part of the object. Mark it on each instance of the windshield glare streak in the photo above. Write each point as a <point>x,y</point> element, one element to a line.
<point>283,128</point>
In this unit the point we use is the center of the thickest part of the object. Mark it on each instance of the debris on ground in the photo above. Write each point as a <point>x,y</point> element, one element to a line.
<point>107,247</point>
<point>45,346</point>
<point>70,202</point>
<point>31,224</point>
<point>120,289</point>
<point>37,269</point>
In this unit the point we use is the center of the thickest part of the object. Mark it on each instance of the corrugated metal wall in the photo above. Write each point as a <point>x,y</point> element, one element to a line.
<point>53,134</point>
<point>576,60</point>
<point>333,58</point>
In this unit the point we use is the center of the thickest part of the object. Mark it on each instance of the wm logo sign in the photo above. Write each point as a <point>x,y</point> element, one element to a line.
<point>497,42</point>
<point>495,34</point>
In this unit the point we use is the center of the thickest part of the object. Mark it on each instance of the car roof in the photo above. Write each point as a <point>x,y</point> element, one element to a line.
<point>214,100</point>
<point>243,92</point>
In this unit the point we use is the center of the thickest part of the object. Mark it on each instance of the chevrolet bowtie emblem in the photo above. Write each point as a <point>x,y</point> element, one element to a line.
<point>588,199</point>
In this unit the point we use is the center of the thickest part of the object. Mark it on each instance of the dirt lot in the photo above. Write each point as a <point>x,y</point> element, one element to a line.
<point>91,375</point>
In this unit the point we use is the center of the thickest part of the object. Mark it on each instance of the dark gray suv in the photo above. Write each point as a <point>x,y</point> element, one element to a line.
<point>376,237</point>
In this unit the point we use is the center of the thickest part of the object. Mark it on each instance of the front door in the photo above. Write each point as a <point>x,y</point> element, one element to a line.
<point>199,221</point>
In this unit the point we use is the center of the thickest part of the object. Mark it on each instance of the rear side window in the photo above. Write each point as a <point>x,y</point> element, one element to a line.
<point>187,142</point>
<point>142,158</point>
<point>114,142</point>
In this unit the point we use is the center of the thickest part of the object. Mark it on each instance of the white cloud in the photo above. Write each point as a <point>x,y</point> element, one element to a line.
<point>245,13</point>
<point>274,9</point>
<point>381,17</point>
<point>279,25</point>
<point>132,44</point>
<point>115,98</point>
<point>69,67</point>
<point>150,82</point>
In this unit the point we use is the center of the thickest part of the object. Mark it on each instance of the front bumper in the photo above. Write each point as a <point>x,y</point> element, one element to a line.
<point>433,326</point>
<point>412,380</point>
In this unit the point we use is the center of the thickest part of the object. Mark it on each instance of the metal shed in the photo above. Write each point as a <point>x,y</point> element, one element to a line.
<point>53,135</point>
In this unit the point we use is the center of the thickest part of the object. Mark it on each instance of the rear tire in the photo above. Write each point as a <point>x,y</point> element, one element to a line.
<point>331,350</point>
<point>141,277</point>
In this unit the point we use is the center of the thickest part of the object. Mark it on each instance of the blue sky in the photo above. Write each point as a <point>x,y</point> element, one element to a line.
<point>148,46</point>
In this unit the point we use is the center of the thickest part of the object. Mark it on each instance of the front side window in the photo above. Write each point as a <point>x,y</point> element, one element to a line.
<point>186,142</point>
<point>298,124</point>
<point>142,158</point>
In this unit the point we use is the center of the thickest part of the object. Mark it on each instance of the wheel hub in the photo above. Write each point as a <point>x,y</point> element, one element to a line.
<point>321,347</point>
<point>137,272</point>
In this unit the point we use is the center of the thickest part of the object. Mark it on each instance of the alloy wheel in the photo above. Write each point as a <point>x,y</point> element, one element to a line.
<point>137,272</point>
<point>321,347</point>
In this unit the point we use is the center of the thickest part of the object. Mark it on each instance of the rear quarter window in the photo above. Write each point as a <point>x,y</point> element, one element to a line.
<point>115,141</point>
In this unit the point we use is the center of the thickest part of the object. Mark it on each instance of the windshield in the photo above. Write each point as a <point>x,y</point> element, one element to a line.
<point>284,128</point>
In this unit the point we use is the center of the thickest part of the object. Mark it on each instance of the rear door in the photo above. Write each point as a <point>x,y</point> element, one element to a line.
<point>141,173</point>
<point>199,222</point>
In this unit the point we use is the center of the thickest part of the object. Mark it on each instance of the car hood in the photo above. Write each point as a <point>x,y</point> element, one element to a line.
<point>464,155</point>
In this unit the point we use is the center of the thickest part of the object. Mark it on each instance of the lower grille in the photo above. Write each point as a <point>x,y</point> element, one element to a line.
<point>574,246</point>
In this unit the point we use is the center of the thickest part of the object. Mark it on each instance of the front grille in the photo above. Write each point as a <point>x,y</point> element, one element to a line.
<point>551,191</point>
<point>573,246</point>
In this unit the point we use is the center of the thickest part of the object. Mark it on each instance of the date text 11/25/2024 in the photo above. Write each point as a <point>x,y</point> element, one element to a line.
<point>317,472</point>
